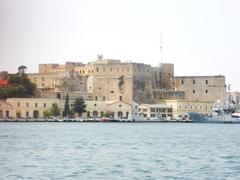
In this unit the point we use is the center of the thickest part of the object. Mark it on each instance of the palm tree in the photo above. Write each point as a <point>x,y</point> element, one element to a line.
<point>21,70</point>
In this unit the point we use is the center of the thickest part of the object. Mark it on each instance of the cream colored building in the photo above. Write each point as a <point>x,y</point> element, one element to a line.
<point>118,109</point>
<point>156,110</point>
<point>5,110</point>
<point>182,107</point>
<point>31,107</point>
<point>34,108</point>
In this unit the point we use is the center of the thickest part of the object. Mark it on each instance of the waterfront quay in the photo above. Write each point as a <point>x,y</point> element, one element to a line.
<point>105,120</point>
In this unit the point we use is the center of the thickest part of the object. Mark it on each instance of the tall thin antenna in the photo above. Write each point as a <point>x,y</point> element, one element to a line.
<point>161,47</point>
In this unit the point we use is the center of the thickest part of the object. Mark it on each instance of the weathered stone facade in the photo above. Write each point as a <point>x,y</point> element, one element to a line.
<point>202,88</point>
<point>112,80</point>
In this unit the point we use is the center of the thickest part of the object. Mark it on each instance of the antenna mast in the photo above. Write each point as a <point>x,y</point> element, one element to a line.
<point>161,47</point>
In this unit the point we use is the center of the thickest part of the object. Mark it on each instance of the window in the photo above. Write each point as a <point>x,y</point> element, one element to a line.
<point>182,82</point>
<point>43,78</point>
<point>44,105</point>
<point>111,69</point>
<point>194,82</point>
<point>194,91</point>
<point>95,104</point>
<point>180,107</point>
<point>99,88</point>
<point>120,98</point>
<point>119,105</point>
<point>27,104</point>
<point>104,98</point>
<point>206,81</point>
<point>27,114</point>
<point>36,105</point>
<point>96,98</point>
<point>206,91</point>
<point>18,104</point>
<point>112,91</point>
<point>7,113</point>
<point>97,69</point>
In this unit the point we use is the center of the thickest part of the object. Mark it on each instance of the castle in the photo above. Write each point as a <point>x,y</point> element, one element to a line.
<point>125,88</point>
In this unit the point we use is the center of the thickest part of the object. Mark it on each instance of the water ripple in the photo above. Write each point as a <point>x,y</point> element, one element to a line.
<point>119,151</point>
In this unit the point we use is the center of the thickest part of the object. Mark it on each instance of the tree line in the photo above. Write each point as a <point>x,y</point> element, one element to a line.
<point>20,85</point>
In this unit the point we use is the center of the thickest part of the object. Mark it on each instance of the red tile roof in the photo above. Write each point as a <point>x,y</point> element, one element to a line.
<point>3,82</point>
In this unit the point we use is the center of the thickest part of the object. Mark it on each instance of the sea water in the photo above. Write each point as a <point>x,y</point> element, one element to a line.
<point>119,151</point>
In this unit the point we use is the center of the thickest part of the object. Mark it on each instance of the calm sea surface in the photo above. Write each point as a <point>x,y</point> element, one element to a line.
<point>119,151</point>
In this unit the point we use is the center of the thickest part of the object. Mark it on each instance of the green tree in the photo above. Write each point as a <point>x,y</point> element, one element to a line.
<point>21,70</point>
<point>66,107</point>
<point>55,110</point>
<point>21,86</point>
<point>46,114</point>
<point>79,106</point>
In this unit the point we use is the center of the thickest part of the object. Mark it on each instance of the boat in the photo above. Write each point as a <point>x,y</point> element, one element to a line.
<point>141,118</point>
<point>221,114</point>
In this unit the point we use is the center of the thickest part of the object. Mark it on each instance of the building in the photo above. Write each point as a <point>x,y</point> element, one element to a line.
<point>182,107</point>
<point>30,107</point>
<point>156,110</point>
<point>112,80</point>
<point>33,108</point>
<point>5,109</point>
<point>235,98</point>
<point>202,88</point>
<point>3,83</point>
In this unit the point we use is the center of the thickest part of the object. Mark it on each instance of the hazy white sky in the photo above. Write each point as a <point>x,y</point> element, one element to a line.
<point>201,37</point>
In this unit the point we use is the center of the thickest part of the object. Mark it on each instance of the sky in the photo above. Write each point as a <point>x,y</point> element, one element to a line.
<point>199,37</point>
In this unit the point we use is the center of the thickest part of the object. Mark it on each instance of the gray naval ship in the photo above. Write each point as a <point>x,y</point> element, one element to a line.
<point>225,113</point>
